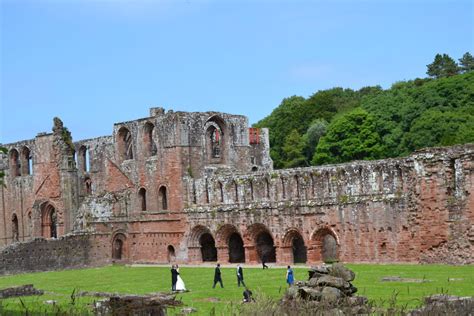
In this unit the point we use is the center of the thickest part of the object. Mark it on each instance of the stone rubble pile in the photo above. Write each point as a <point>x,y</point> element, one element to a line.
<point>329,286</point>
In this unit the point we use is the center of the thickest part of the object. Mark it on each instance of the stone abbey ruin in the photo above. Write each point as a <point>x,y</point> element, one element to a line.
<point>193,187</point>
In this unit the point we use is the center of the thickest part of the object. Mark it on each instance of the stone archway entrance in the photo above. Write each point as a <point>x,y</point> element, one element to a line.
<point>293,248</point>
<point>118,247</point>
<point>208,247</point>
<point>298,249</point>
<point>265,247</point>
<point>171,254</point>
<point>49,225</point>
<point>329,248</point>
<point>324,245</point>
<point>236,249</point>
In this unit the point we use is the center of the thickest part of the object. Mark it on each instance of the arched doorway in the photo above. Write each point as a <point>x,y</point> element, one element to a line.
<point>171,254</point>
<point>236,248</point>
<point>49,225</point>
<point>325,245</point>
<point>118,247</point>
<point>15,230</point>
<point>265,247</point>
<point>299,249</point>
<point>208,247</point>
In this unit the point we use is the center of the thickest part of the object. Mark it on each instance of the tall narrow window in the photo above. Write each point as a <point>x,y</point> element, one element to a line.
<point>221,191</point>
<point>162,198</point>
<point>25,161</point>
<point>267,188</point>
<point>142,199</point>
<point>14,163</point>
<point>283,191</point>
<point>125,144</point>
<point>236,187</point>
<point>15,230</point>
<point>149,144</point>
<point>297,186</point>
<point>88,186</point>
<point>215,140</point>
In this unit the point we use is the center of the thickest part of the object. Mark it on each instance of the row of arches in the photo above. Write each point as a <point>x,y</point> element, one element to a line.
<point>162,199</point>
<point>258,243</point>
<point>21,162</point>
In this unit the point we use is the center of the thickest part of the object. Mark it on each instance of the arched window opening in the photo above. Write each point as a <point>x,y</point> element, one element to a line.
<point>171,254</point>
<point>14,163</point>
<point>49,222</point>
<point>208,247</point>
<point>162,198</point>
<point>125,144</point>
<point>329,248</point>
<point>297,186</point>
<point>149,144</point>
<point>215,140</point>
<point>26,162</point>
<point>221,192</point>
<point>251,190</point>
<point>30,225</point>
<point>15,230</point>
<point>299,249</point>
<point>283,190</point>
<point>88,186</point>
<point>142,199</point>
<point>254,169</point>
<point>265,247</point>
<point>118,247</point>
<point>236,249</point>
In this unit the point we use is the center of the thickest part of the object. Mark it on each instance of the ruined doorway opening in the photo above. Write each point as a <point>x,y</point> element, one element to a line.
<point>150,146</point>
<point>171,254</point>
<point>265,247</point>
<point>208,247</point>
<point>49,222</point>
<point>299,249</point>
<point>329,248</point>
<point>118,247</point>
<point>15,230</point>
<point>25,162</point>
<point>236,249</point>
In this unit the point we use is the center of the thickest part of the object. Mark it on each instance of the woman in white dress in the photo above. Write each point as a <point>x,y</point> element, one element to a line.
<point>179,282</point>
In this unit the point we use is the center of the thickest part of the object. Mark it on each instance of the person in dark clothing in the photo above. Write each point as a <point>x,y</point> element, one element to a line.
<point>248,296</point>
<point>174,277</point>
<point>217,276</point>
<point>240,275</point>
<point>264,266</point>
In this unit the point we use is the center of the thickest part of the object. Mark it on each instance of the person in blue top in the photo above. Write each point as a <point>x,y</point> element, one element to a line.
<point>289,276</point>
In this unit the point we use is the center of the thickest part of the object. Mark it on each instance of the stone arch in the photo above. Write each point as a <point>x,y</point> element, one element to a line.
<point>259,236</point>
<point>15,230</point>
<point>15,168</point>
<point>215,139</point>
<point>295,247</point>
<point>25,161</point>
<point>171,253</point>
<point>162,198</point>
<point>125,144</point>
<point>119,246</point>
<point>202,244</point>
<point>325,245</point>
<point>142,199</point>
<point>49,221</point>
<point>148,142</point>
<point>229,239</point>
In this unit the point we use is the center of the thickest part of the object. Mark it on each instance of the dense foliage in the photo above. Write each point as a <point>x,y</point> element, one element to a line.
<point>339,125</point>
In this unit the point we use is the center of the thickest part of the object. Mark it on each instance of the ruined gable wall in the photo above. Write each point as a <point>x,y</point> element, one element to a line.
<point>389,210</point>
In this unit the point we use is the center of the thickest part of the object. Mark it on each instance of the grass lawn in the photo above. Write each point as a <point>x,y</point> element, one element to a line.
<point>271,282</point>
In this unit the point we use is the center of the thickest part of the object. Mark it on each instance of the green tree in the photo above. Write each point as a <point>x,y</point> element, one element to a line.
<point>293,150</point>
<point>352,136</point>
<point>466,63</point>
<point>312,136</point>
<point>442,66</point>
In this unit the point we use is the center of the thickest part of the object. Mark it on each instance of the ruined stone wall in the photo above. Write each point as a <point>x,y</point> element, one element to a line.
<point>400,210</point>
<point>67,252</point>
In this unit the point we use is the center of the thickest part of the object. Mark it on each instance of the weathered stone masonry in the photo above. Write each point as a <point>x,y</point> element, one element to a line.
<point>193,187</point>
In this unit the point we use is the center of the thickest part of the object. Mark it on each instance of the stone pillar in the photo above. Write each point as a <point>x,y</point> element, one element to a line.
<point>194,255</point>
<point>251,255</point>
<point>223,254</point>
<point>284,255</point>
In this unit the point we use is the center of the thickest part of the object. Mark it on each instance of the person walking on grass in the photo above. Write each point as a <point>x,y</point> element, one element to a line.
<point>217,276</point>
<point>240,275</point>
<point>289,276</point>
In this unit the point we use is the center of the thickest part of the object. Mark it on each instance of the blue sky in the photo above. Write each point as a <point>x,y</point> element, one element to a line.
<point>94,63</point>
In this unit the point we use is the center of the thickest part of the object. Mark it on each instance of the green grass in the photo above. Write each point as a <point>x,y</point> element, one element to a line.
<point>142,280</point>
